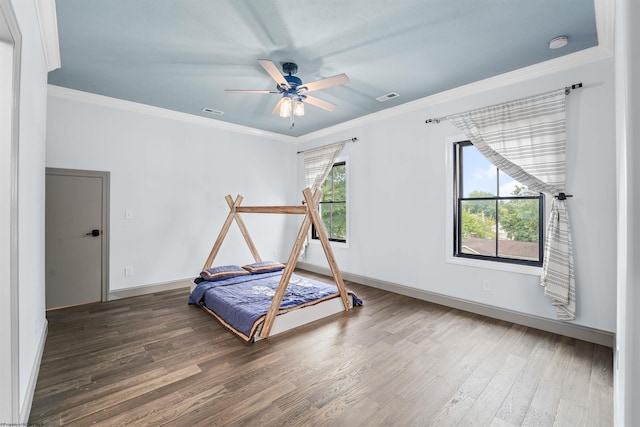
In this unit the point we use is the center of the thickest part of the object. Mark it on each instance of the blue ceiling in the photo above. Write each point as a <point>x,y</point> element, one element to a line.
<point>182,54</point>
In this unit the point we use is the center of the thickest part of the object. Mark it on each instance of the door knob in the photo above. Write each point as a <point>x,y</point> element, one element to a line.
<point>94,233</point>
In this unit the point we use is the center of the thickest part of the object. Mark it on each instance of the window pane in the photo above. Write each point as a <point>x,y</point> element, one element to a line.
<point>478,174</point>
<point>494,220</point>
<point>478,227</point>
<point>339,183</point>
<point>511,187</point>
<point>325,214</point>
<point>327,188</point>
<point>333,207</point>
<point>338,221</point>
<point>519,229</point>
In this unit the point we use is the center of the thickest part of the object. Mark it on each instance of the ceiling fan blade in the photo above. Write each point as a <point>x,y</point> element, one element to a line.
<point>276,110</point>
<point>340,79</point>
<point>320,103</point>
<point>273,71</point>
<point>250,91</point>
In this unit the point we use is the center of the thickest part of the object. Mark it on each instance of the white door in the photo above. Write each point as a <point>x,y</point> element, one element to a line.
<point>75,238</point>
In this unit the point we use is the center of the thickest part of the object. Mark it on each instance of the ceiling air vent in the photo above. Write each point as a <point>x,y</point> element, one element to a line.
<point>387,96</point>
<point>212,111</point>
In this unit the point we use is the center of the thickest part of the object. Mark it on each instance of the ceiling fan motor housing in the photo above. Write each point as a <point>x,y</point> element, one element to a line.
<point>293,81</point>
<point>289,68</point>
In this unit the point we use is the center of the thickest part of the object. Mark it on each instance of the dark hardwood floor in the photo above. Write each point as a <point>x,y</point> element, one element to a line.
<point>396,361</point>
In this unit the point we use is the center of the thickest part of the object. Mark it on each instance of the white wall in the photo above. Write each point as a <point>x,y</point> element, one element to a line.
<point>627,371</point>
<point>173,176</point>
<point>399,185</point>
<point>33,81</point>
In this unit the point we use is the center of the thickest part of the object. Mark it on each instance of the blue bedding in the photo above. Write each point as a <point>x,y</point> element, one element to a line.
<point>241,303</point>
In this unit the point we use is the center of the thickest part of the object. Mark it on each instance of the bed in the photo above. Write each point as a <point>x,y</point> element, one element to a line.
<point>240,299</point>
<point>231,292</point>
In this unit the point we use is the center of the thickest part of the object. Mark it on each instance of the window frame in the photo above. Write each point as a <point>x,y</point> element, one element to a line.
<point>313,232</point>
<point>458,199</point>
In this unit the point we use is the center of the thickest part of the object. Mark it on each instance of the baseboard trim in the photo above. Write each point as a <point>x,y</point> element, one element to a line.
<point>584,333</point>
<point>149,289</point>
<point>25,410</point>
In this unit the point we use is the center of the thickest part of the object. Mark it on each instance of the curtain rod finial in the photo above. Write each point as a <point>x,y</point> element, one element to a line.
<point>567,90</point>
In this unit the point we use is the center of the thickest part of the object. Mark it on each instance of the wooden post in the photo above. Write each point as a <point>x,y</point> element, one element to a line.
<point>324,240</point>
<point>286,276</point>
<point>244,231</point>
<point>288,271</point>
<point>223,232</point>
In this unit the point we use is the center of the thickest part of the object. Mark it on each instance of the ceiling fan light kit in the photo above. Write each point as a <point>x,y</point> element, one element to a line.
<point>293,91</point>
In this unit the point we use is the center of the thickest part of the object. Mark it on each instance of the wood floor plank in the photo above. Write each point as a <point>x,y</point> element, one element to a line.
<point>170,408</point>
<point>538,418</point>
<point>454,410</point>
<point>154,360</point>
<point>571,414</point>
<point>108,397</point>
<point>599,411</point>
<point>579,374</point>
<point>481,377</point>
<point>546,399</point>
<point>602,368</point>
<point>490,400</point>
<point>427,398</point>
<point>516,404</point>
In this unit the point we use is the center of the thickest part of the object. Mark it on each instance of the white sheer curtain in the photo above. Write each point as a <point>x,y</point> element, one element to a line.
<point>317,164</point>
<point>526,139</point>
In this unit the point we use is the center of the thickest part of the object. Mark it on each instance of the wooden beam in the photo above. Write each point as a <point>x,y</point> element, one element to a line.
<point>223,232</point>
<point>286,277</point>
<point>288,271</point>
<point>244,231</point>
<point>296,210</point>
<point>324,240</point>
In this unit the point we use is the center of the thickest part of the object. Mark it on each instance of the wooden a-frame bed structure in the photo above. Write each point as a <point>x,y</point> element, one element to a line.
<point>311,216</point>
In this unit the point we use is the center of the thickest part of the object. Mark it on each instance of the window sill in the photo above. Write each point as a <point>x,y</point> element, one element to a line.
<point>496,265</point>
<point>344,245</point>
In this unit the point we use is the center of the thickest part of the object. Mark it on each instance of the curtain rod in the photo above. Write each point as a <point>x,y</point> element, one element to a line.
<point>345,141</point>
<point>567,91</point>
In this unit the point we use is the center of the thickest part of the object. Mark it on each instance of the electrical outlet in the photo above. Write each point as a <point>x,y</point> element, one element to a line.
<point>485,285</point>
<point>128,271</point>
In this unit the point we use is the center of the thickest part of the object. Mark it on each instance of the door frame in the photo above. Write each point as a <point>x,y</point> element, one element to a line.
<point>105,178</point>
<point>11,40</point>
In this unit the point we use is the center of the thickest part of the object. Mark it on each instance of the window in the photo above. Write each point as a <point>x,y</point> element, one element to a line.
<point>333,205</point>
<point>496,218</point>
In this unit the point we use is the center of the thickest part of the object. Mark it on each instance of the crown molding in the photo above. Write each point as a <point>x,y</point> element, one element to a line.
<point>48,25</point>
<point>135,107</point>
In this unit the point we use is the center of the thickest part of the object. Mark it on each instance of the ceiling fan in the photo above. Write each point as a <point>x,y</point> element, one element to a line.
<point>293,91</point>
